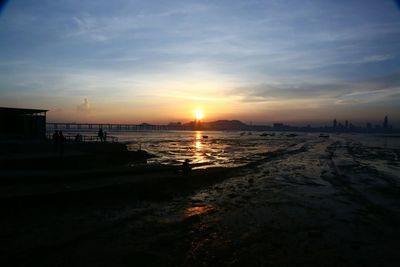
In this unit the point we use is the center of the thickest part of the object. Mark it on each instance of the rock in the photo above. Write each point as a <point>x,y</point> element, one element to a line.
<point>315,233</point>
<point>232,195</point>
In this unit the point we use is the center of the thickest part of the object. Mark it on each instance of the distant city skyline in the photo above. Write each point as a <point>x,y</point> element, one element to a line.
<point>297,62</point>
<point>228,125</point>
<point>385,123</point>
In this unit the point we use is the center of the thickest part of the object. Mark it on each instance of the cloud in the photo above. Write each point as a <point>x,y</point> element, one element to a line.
<point>84,106</point>
<point>364,97</point>
<point>377,58</point>
<point>266,92</point>
<point>364,91</point>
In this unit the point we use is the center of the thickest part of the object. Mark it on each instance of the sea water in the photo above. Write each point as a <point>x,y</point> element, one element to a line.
<point>224,148</point>
<point>202,148</point>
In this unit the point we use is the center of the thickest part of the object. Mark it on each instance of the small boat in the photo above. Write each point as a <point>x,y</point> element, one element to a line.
<point>291,135</point>
<point>205,136</point>
<point>324,135</point>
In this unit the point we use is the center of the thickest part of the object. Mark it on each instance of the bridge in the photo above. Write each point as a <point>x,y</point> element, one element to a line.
<point>53,126</point>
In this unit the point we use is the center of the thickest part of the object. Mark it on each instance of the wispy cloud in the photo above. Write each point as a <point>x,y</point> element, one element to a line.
<point>267,92</point>
<point>365,97</point>
<point>377,58</point>
<point>366,91</point>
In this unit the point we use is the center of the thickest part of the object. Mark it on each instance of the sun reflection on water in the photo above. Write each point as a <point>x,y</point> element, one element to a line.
<point>198,210</point>
<point>199,148</point>
<point>198,144</point>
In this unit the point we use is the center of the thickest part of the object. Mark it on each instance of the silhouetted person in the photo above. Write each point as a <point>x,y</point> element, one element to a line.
<point>78,138</point>
<point>56,139</point>
<point>100,134</point>
<point>61,141</point>
<point>186,167</point>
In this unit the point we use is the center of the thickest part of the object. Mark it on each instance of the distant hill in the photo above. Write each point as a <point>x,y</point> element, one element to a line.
<point>219,125</point>
<point>226,125</point>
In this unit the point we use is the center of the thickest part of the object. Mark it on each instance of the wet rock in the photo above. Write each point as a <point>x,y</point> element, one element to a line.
<point>345,162</point>
<point>232,195</point>
<point>250,181</point>
<point>355,246</point>
<point>315,233</point>
<point>217,188</point>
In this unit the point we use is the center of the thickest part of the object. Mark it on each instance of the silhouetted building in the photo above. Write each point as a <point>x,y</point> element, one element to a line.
<point>277,125</point>
<point>22,123</point>
<point>347,124</point>
<point>334,124</point>
<point>385,124</point>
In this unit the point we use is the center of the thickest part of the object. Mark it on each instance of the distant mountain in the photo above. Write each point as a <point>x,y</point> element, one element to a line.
<point>226,125</point>
<point>218,125</point>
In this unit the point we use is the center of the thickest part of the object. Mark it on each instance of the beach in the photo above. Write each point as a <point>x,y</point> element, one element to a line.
<point>306,201</point>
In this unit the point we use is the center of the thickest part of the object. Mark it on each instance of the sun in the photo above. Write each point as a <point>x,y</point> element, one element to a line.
<point>198,114</point>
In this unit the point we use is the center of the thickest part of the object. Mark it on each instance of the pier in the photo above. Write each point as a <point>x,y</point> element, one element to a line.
<point>52,126</point>
<point>85,138</point>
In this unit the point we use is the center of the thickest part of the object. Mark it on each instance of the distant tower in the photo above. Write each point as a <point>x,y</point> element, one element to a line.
<point>385,124</point>
<point>347,124</point>
<point>334,124</point>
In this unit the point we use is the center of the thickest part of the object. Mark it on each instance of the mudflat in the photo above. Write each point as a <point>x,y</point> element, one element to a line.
<point>317,202</point>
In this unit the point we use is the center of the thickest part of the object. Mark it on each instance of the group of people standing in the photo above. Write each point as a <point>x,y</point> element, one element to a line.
<point>102,135</point>
<point>58,142</point>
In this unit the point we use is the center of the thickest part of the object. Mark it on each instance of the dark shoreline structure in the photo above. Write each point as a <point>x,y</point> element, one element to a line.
<point>22,123</point>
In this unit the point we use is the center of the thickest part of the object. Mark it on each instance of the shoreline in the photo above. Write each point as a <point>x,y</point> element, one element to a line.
<point>40,183</point>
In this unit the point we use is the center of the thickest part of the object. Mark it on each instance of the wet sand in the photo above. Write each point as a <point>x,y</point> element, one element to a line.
<point>319,202</point>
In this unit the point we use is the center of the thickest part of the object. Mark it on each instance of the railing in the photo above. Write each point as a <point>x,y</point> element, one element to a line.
<point>86,138</point>
<point>109,127</point>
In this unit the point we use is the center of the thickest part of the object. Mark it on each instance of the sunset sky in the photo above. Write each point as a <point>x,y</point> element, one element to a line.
<point>159,61</point>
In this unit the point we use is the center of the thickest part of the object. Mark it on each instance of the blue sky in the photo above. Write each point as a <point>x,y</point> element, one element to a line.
<point>157,61</point>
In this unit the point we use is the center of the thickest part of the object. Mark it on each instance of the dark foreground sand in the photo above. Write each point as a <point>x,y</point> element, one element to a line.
<point>321,202</point>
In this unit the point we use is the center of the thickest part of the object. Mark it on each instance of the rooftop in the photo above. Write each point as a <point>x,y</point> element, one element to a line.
<point>21,111</point>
